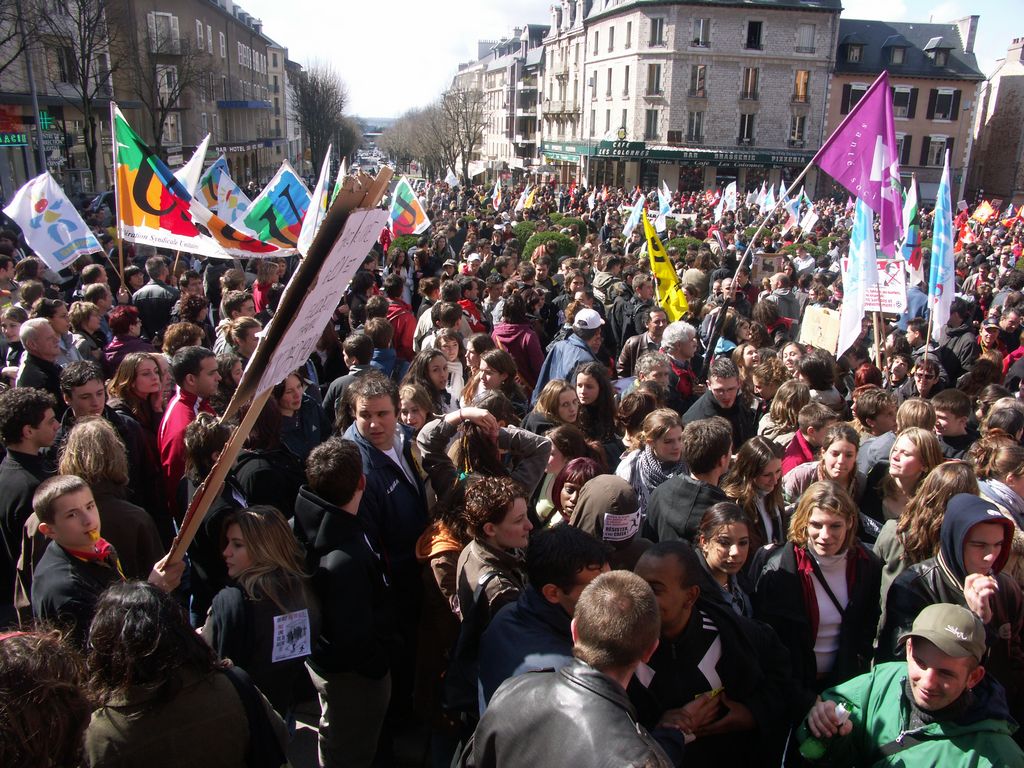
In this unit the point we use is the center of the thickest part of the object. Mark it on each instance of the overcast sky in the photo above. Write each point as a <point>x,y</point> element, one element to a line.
<point>399,54</point>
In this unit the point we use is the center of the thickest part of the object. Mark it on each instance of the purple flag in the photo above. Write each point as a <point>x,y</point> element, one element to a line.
<point>862,156</point>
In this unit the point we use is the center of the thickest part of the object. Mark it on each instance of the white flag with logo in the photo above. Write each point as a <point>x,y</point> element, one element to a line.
<point>50,223</point>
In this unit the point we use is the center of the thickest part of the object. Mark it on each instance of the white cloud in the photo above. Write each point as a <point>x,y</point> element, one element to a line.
<point>392,54</point>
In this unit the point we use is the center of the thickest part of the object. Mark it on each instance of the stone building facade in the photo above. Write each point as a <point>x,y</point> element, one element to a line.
<point>997,170</point>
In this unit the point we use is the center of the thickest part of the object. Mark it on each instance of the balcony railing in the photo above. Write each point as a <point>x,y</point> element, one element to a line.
<point>745,141</point>
<point>804,49</point>
<point>698,93</point>
<point>800,98</point>
<point>748,95</point>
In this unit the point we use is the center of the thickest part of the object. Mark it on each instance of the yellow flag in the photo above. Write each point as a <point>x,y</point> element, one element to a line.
<point>529,199</point>
<point>670,292</point>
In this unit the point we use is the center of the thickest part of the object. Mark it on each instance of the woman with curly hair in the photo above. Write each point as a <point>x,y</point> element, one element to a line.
<point>267,580</point>
<point>230,368</point>
<point>46,706</point>
<point>754,481</point>
<point>162,697</point>
<point>915,535</point>
<point>178,335</point>
<point>196,309</point>
<point>495,516</point>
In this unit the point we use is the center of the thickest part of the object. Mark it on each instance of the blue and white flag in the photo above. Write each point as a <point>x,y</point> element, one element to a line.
<point>664,206</point>
<point>634,217</point>
<point>861,274</point>
<point>730,196</point>
<point>942,277</point>
<point>50,223</point>
<point>769,199</point>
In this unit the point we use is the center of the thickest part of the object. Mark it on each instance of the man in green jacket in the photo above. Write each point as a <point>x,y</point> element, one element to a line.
<point>937,708</point>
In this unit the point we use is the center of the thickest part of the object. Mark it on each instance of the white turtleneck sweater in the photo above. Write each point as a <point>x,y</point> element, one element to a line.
<point>826,644</point>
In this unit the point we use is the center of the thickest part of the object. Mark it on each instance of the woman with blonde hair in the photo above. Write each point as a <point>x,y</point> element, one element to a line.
<point>240,336</point>
<point>837,462</point>
<point>754,482</point>
<point>95,453</point>
<point>915,535</point>
<point>557,405</point>
<point>819,592</point>
<point>780,423</point>
<point>266,619</point>
<point>660,458</point>
<point>891,485</point>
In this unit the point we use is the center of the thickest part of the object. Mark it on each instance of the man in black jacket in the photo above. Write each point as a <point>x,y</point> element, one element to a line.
<point>39,367</point>
<point>27,427</point>
<point>349,665</point>
<point>960,349</point>
<point>581,712</point>
<point>722,398</point>
<point>717,675</point>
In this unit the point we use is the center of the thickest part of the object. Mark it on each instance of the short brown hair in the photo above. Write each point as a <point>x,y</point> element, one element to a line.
<point>705,442</point>
<point>815,415</point>
<point>487,501</point>
<point>52,489</point>
<point>333,470</point>
<point>952,401</point>
<point>915,412</point>
<point>617,621</point>
<point>380,331</point>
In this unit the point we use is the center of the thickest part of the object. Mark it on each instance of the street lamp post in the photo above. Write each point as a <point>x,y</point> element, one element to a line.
<point>40,152</point>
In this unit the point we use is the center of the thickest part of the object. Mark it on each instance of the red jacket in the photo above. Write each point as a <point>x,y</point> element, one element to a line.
<point>181,411</point>
<point>473,316</point>
<point>798,452</point>
<point>402,319</point>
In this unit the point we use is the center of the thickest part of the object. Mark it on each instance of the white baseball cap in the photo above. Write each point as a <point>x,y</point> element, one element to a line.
<point>587,319</point>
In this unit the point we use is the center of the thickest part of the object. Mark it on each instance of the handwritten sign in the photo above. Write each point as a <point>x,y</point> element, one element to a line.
<point>308,322</point>
<point>820,328</point>
<point>891,293</point>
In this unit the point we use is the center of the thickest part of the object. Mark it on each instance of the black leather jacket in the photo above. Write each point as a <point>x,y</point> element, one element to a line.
<point>577,714</point>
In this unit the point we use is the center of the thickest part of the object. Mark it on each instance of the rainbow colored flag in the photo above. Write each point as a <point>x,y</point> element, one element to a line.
<point>219,192</point>
<point>153,206</point>
<point>407,216</point>
<point>277,212</point>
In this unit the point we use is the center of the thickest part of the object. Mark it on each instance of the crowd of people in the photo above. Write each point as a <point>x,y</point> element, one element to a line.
<point>512,505</point>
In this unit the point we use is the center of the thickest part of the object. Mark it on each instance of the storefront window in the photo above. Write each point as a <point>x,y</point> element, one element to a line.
<point>691,179</point>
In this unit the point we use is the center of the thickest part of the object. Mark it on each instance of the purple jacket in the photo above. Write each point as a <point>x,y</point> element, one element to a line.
<point>520,341</point>
<point>121,346</point>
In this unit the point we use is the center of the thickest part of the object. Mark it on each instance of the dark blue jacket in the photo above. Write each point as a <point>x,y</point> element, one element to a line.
<point>561,359</point>
<point>530,634</point>
<point>313,428</point>
<point>394,508</point>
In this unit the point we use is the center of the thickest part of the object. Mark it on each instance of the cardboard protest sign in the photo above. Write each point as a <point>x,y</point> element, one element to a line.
<point>820,328</point>
<point>890,295</point>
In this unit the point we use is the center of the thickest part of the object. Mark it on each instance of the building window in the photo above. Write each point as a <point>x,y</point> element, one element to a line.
<point>753,36</point>
<point>216,126</point>
<point>695,126</point>
<point>223,45</point>
<point>651,124</point>
<point>596,37</point>
<point>163,33</point>
<point>853,53</point>
<point>171,134</point>
<point>654,79</point>
<point>629,34</point>
<point>852,93</point>
<point>199,34</point>
<point>896,55</point>
<point>657,31</point>
<point>748,86</point>
<point>746,129</point>
<point>166,83</point>
<point>625,83</point>
<point>941,59</point>
<point>67,66</point>
<point>903,148</point>
<point>611,39</point>
<point>698,80</point>
<point>797,127</point>
<point>936,150</point>
<point>625,117</point>
<point>608,87</point>
<point>702,32</point>
<point>273,60</point>
<point>802,86</point>
<point>593,122</point>
<point>945,102</point>
<point>805,38</point>
<point>903,102</point>
<point>203,122</point>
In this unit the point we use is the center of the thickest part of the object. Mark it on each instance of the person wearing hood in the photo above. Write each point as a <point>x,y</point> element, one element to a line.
<point>516,335</point>
<point>349,664</point>
<point>974,545</point>
<point>607,509</point>
<point>676,507</point>
<point>722,398</point>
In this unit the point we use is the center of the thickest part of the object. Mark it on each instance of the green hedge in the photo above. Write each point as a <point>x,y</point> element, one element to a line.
<point>403,243</point>
<point>749,233</point>
<point>682,243</point>
<point>566,247</point>
<point>570,221</point>
<point>523,230</point>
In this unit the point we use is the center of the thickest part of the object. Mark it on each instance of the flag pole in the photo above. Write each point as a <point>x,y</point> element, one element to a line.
<point>117,194</point>
<point>877,321</point>
<point>720,319</point>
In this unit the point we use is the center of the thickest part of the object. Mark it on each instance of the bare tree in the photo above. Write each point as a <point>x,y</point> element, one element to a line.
<point>464,114</point>
<point>12,43</point>
<point>349,138</point>
<point>319,98</point>
<point>167,68</point>
<point>84,43</point>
